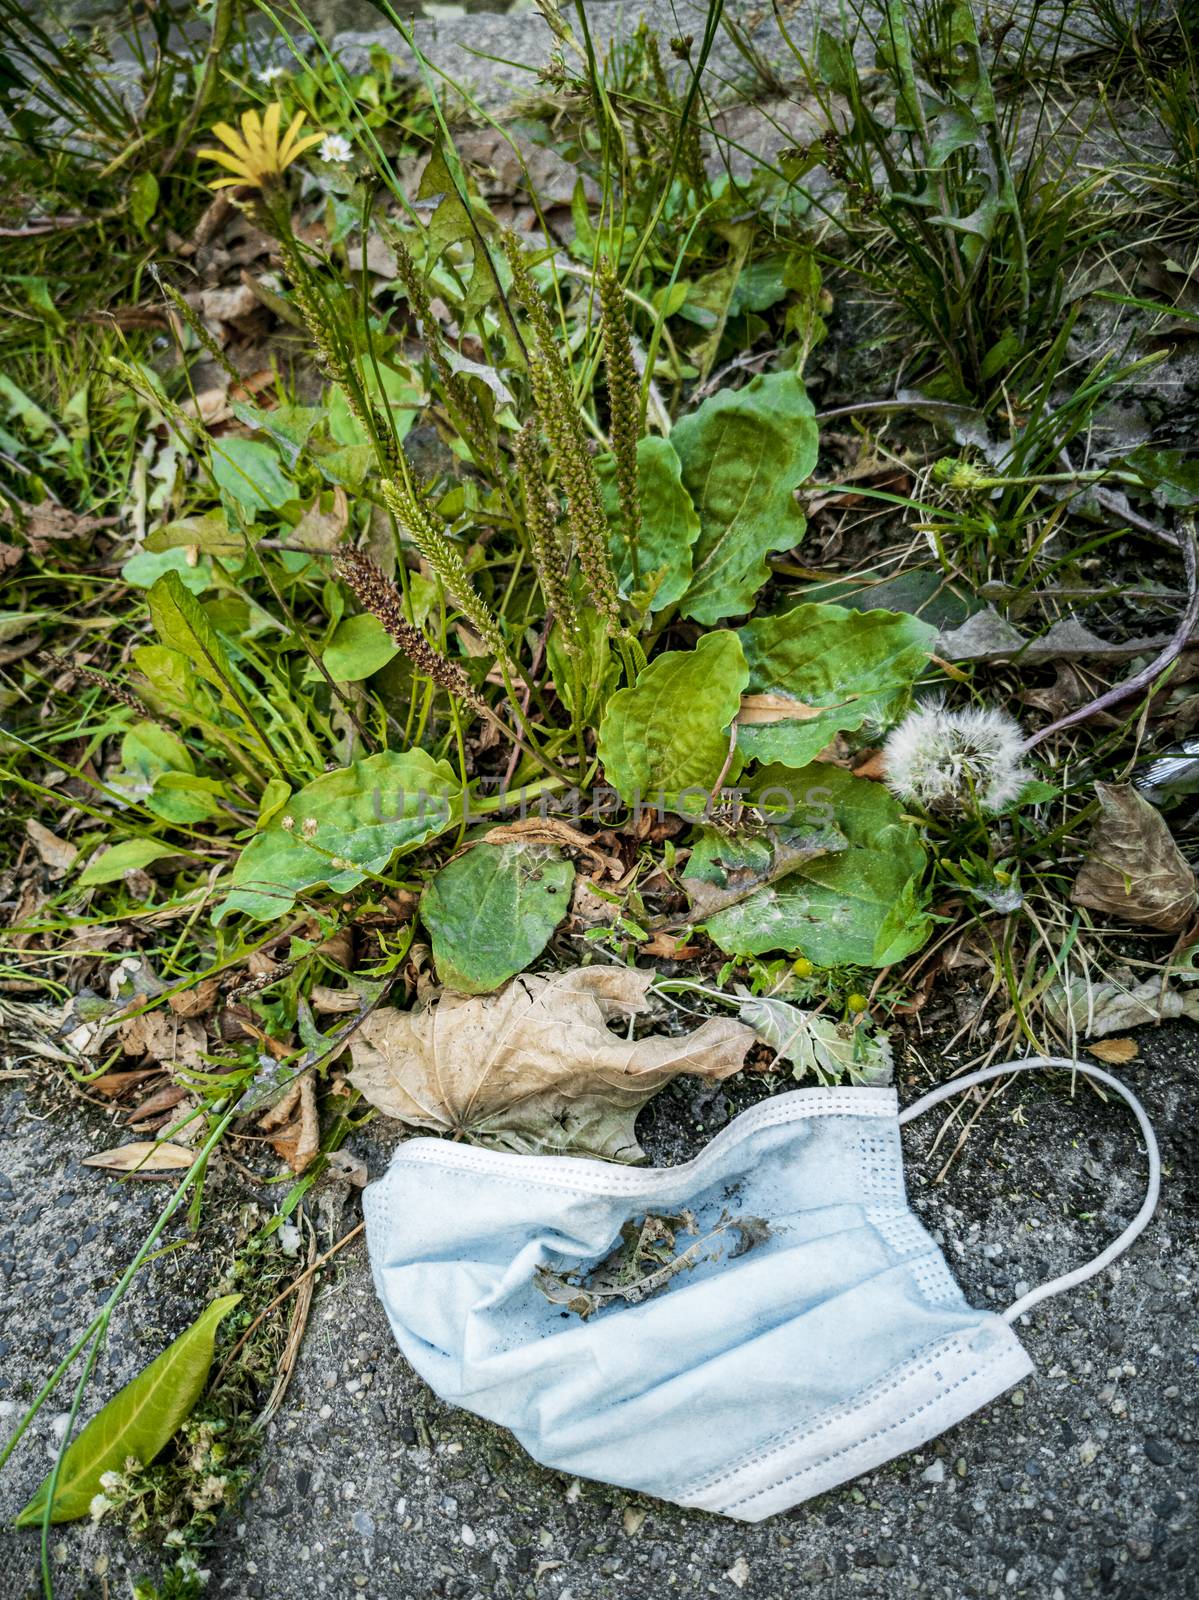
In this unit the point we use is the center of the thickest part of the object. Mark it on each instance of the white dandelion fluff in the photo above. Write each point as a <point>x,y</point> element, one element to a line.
<point>956,760</point>
<point>335,147</point>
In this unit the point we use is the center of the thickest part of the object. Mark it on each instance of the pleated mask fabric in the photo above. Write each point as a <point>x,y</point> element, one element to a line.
<point>814,1333</point>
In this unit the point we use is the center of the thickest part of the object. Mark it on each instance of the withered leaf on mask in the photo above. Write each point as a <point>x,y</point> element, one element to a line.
<point>535,1067</point>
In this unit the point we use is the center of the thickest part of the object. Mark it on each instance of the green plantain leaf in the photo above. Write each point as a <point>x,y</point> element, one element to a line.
<point>669,526</point>
<point>848,666</point>
<point>861,906</point>
<point>492,911</point>
<point>669,733</point>
<point>138,1420</point>
<point>345,826</point>
<point>145,568</point>
<point>360,646</point>
<point>743,454</point>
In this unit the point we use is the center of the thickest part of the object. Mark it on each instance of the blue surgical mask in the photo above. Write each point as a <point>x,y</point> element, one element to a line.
<point>737,1334</point>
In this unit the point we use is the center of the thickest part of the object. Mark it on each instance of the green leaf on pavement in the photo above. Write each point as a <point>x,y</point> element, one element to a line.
<point>137,1422</point>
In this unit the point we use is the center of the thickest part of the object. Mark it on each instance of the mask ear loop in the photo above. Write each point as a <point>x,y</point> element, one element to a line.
<point>1117,1247</point>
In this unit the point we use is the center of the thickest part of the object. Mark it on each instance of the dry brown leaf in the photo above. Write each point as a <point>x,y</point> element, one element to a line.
<point>319,529</point>
<point>293,1126</point>
<point>1116,1052</point>
<point>161,1100</point>
<point>334,1001</point>
<point>667,948</point>
<point>209,406</point>
<point>763,709</point>
<point>535,1067</point>
<point>57,854</point>
<point>114,1084</point>
<point>162,1036</point>
<point>1134,871</point>
<point>352,1168</point>
<point>197,1001</point>
<point>872,765</point>
<point>591,910</point>
<point>550,830</point>
<point>143,1155</point>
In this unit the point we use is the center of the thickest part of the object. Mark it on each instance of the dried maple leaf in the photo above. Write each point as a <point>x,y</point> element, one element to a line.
<point>197,1001</point>
<point>535,1067</point>
<point>1134,871</point>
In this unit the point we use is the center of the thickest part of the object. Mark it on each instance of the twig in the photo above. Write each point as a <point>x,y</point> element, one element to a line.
<point>299,1321</point>
<point>1119,692</point>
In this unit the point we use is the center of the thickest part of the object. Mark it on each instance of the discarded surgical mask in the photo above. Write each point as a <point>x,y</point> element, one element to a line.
<point>737,1334</point>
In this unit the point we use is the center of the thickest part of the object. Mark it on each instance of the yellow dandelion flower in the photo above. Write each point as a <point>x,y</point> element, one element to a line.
<point>257,154</point>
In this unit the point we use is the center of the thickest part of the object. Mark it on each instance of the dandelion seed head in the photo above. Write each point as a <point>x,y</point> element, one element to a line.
<point>956,760</point>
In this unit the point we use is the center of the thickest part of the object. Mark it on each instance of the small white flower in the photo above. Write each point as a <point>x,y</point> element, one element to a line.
<point>287,822</point>
<point>956,760</point>
<point>272,73</point>
<point>310,827</point>
<point>335,147</point>
<point>98,1506</point>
